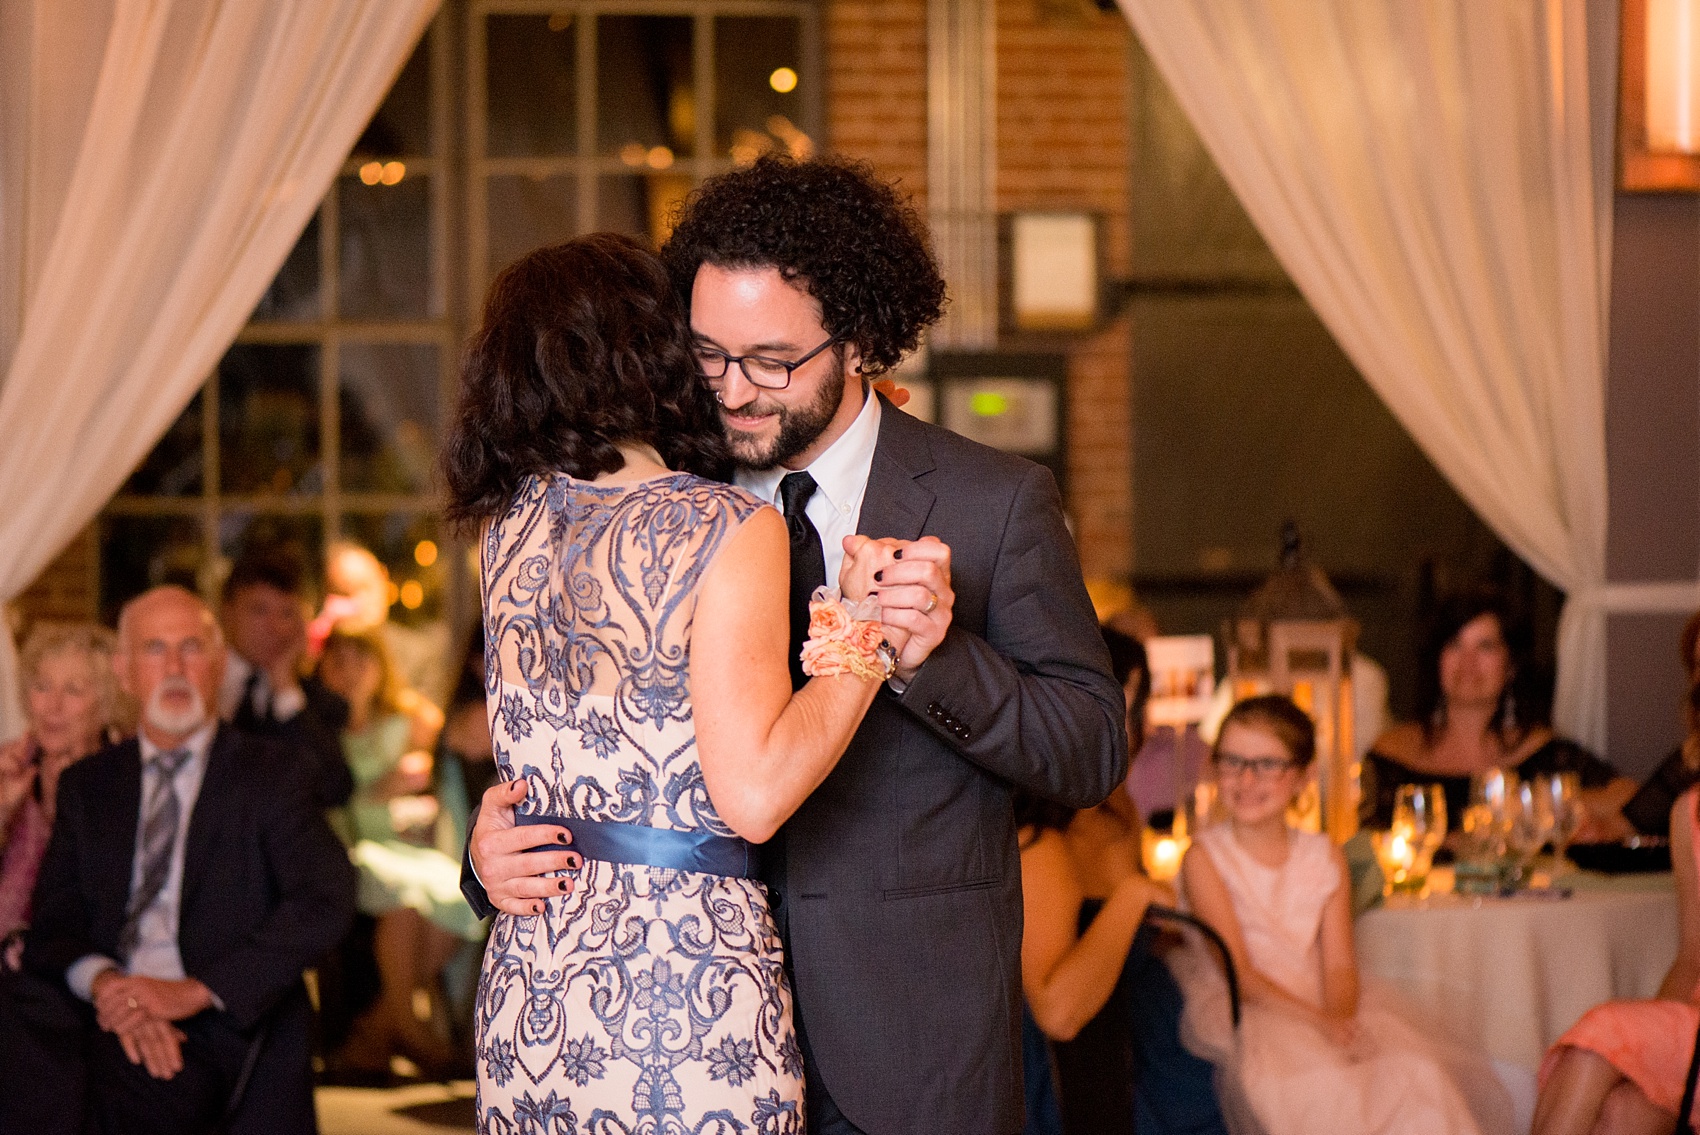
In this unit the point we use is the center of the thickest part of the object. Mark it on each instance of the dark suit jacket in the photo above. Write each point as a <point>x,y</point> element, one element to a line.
<point>901,881</point>
<point>267,888</point>
<point>317,732</point>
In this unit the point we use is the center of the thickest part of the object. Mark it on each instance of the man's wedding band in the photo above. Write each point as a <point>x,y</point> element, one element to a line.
<point>932,603</point>
<point>130,1001</point>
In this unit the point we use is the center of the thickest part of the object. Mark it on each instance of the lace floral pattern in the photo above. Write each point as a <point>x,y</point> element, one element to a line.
<point>647,1000</point>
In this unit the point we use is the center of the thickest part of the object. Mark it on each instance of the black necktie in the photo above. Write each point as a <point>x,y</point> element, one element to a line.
<point>808,563</point>
<point>160,821</point>
<point>246,715</point>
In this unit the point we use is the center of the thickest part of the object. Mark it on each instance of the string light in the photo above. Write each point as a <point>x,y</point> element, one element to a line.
<point>783,80</point>
<point>412,594</point>
<point>425,553</point>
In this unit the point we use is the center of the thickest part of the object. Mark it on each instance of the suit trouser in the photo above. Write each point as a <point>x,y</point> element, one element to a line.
<point>62,1072</point>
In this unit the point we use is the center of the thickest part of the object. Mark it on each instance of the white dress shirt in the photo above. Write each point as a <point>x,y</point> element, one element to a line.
<point>156,953</point>
<point>267,702</point>
<point>841,481</point>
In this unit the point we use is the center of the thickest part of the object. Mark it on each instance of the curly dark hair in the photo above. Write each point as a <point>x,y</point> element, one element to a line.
<point>830,225</point>
<point>584,346</point>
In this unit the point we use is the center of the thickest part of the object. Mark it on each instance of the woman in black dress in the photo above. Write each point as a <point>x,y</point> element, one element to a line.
<point>1479,711</point>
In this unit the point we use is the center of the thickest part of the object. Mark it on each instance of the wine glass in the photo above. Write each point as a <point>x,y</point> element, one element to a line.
<point>1530,816</point>
<point>1481,843</point>
<point>1419,817</point>
<point>1564,790</point>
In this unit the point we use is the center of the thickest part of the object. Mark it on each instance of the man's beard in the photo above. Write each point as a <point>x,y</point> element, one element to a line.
<point>798,428</point>
<point>176,722</point>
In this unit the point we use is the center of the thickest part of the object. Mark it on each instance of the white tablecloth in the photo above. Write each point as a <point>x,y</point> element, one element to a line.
<point>1512,974</point>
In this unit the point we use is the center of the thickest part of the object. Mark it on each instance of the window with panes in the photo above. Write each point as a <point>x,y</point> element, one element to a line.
<point>514,123</point>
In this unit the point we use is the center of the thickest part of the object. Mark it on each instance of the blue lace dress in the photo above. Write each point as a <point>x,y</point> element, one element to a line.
<point>646,1000</point>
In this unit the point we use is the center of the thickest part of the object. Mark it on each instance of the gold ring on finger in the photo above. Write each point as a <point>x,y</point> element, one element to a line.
<point>932,603</point>
<point>131,1002</point>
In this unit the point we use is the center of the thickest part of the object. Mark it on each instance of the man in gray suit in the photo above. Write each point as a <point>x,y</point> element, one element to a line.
<point>897,884</point>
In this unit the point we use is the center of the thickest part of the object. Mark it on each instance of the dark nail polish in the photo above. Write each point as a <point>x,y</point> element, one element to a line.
<point>897,555</point>
<point>879,577</point>
<point>563,837</point>
<point>537,909</point>
<point>564,885</point>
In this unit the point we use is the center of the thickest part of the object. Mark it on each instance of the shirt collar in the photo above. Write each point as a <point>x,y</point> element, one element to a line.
<point>841,472</point>
<point>197,743</point>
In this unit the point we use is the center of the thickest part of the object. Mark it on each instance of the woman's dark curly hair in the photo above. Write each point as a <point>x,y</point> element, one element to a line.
<point>584,346</point>
<point>835,229</point>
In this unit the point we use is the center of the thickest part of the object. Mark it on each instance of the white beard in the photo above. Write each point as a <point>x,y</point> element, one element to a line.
<point>180,722</point>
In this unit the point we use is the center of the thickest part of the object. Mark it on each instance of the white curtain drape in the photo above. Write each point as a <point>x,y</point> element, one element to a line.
<point>158,159</point>
<point>1425,174</point>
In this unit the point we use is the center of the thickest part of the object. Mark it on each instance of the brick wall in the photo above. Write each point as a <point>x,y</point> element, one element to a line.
<point>1063,143</point>
<point>68,588</point>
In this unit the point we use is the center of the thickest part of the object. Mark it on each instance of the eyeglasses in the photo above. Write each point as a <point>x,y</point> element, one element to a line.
<point>1263,768</point>
<point>767,373</point>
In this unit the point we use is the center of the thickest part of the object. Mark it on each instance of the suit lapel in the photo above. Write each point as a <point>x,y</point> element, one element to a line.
<point>114,813</point>
<point>896,504</point>
<point>209,812</point>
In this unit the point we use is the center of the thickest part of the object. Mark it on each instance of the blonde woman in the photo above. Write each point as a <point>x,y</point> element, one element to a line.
<point>72,703</point>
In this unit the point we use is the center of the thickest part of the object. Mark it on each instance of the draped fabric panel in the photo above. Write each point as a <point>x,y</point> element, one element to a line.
<point>158,160</point>
<point>1425,174</point>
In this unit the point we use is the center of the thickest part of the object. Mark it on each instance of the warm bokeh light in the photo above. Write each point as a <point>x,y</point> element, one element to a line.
<point>783,80</point>
<point>425,553</point>
<point>372,172</point>
<point>393,173</point>
<point>394,592</point>
<point>660,158</point>
<point>412,594</point>
<point>560,21</point>
<point>634,153</point>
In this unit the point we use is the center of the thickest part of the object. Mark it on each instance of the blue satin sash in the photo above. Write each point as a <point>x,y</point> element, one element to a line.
<point>654,847</point>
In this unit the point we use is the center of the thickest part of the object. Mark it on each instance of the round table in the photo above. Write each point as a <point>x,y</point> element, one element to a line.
<point>1510,975</point>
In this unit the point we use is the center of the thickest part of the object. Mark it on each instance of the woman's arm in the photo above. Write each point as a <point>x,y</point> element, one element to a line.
<point>1209,899</point>
<point>1068,977</point>
<point>1339,953</point>
<point>1684,975</point>
<point>762,748</point>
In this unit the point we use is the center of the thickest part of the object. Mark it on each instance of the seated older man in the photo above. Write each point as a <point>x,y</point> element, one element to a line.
<point>189,880</point>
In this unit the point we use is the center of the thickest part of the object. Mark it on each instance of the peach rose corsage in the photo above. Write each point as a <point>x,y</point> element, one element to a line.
<point>843,638</point>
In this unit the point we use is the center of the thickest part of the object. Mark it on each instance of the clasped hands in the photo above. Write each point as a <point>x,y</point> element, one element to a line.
<point>911,579</point>
<point>140,1012</point>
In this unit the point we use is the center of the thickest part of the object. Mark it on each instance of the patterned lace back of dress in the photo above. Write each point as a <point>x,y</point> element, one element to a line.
<point>589,595</point>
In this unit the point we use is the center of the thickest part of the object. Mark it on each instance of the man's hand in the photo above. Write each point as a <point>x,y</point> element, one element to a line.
<point>916,595</point>
<point>513,874</point>
<point>122,1002</point>
<point>155,1044</point>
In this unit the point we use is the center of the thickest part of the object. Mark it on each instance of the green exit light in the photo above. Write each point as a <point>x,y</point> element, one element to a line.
<point>989,404</point>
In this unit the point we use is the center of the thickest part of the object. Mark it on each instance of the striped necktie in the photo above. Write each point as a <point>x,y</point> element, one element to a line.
<point>160,821</point>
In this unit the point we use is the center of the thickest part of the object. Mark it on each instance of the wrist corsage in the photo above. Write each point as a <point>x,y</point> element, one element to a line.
<point>846,638</point>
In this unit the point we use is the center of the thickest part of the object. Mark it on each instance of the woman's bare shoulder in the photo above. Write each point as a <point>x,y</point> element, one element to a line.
<point>1405,743</point>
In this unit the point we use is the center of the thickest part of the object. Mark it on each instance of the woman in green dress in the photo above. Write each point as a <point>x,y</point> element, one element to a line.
<point>400,839</point>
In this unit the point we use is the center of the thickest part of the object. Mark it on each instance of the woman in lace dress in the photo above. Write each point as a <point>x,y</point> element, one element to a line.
<point>636,636</point>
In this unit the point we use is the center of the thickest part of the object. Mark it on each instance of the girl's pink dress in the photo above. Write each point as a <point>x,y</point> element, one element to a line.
<point>19,862</point>
<point>1650,1042</point>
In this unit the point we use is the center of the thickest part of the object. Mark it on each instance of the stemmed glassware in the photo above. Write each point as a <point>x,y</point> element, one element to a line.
<point>1419,827</point>
<point>1530,824</point>
<point>1564,791</point>
<point>1484,828</point>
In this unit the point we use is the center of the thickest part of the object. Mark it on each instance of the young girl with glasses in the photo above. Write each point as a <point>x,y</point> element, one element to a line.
<point>1312,1053</point>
